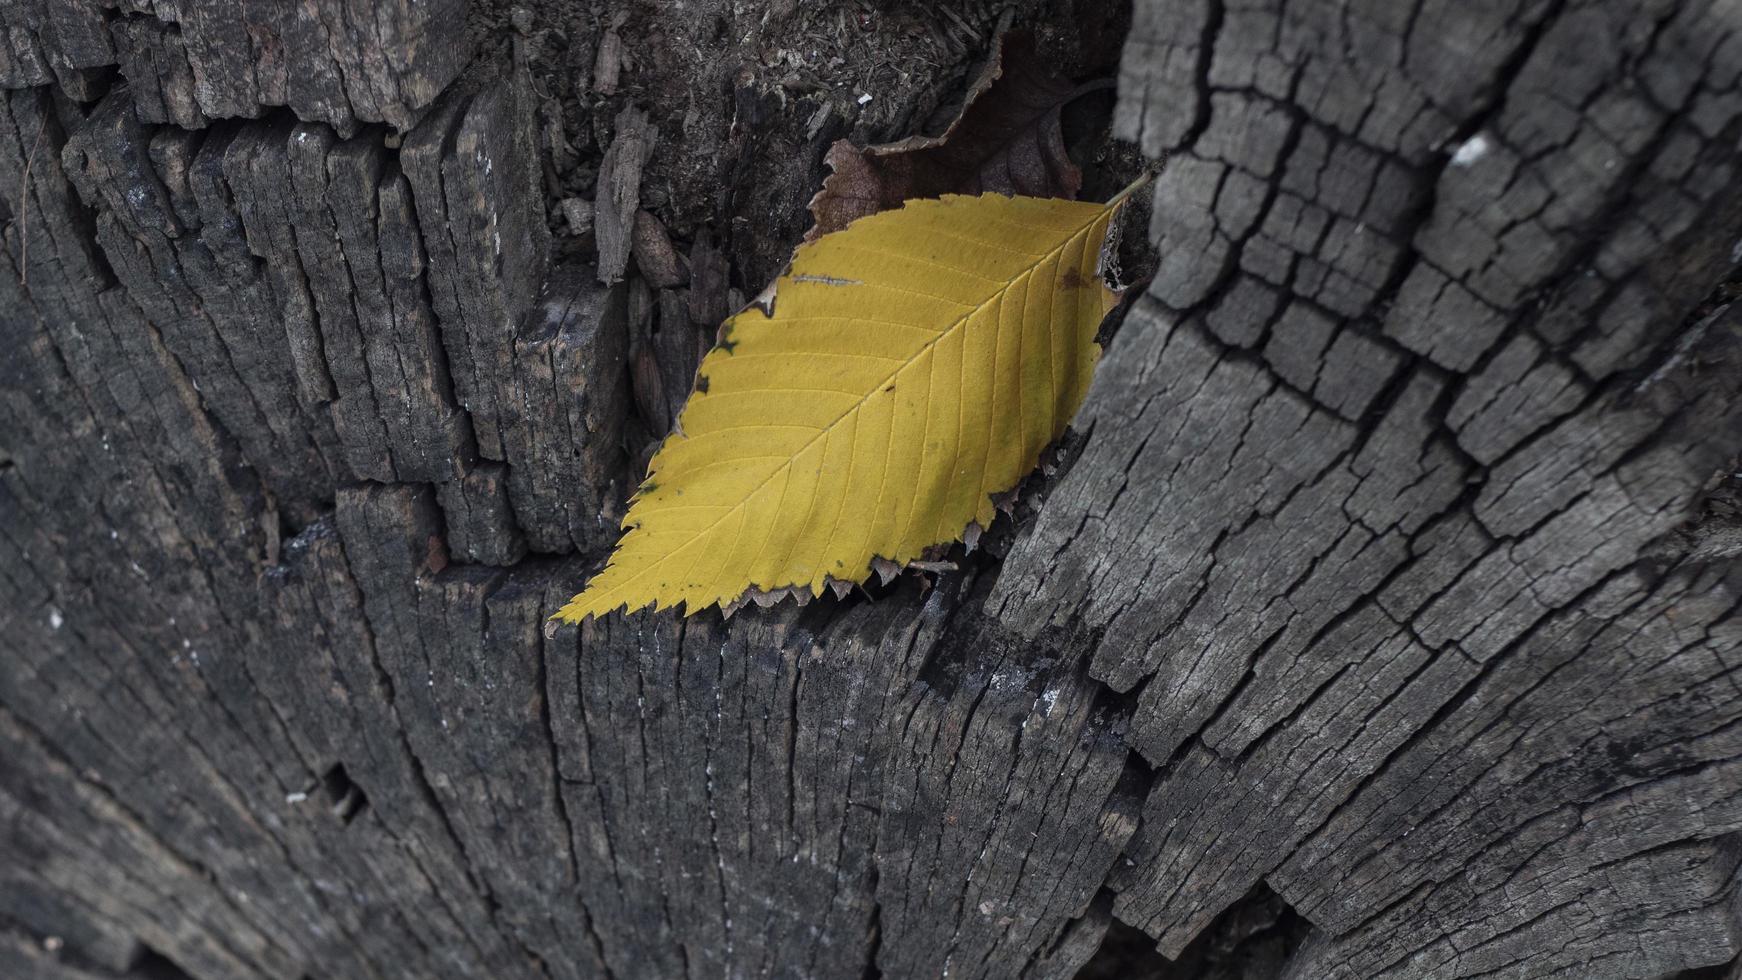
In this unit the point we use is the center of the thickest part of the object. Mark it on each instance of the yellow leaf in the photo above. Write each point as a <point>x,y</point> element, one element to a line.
<point>914,364</point>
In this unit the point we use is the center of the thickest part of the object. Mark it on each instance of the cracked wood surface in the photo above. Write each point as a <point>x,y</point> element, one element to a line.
<point>341,62</point>
<point>1389,573</point>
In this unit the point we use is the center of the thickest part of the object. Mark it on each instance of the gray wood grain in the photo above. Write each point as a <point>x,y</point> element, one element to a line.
<point>1389,587</point>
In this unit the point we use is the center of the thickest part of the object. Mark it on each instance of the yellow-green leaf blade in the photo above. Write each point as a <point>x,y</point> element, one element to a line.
<point>914,365</point>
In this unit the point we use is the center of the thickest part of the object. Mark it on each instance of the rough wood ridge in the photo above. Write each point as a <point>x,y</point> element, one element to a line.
<point>1394,577</point>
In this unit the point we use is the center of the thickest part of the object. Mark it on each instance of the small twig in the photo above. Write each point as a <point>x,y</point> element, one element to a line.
<point>24,208</point>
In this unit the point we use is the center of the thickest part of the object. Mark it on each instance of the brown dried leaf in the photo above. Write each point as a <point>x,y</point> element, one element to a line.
<point>655,257</point>
<point>1008,139</point>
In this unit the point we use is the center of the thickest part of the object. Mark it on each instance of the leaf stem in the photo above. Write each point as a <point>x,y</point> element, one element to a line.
<point>1131,188</point>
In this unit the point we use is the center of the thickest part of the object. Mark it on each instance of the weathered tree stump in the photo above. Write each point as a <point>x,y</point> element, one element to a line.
<point>1382,621</point>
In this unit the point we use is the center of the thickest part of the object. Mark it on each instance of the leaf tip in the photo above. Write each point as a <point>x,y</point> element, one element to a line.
<point>571,614</point>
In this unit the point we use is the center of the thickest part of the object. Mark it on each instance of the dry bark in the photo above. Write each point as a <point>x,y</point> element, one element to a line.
<point>1391,591</point>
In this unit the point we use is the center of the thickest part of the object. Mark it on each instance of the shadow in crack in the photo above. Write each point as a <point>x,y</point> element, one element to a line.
<point>1252,940</point>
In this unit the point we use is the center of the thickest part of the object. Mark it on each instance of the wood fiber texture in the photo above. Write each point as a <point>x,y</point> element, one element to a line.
<point>342,62</point>
<point>1391,580</point>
